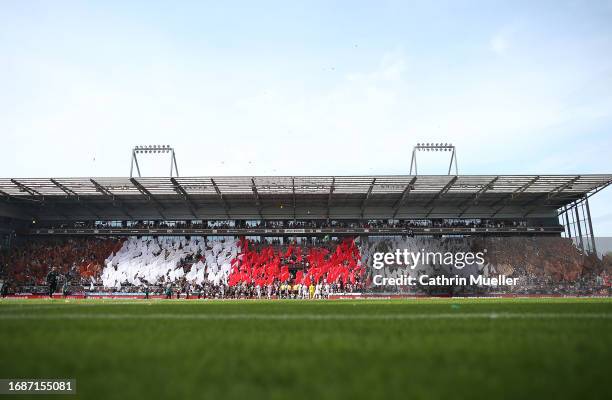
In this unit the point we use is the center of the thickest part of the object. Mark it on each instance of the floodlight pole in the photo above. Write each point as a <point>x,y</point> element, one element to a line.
<point>434,147</point>
<point>413,162</point>
<point>173,162</point>
<point>453,157</point>
<point>134,161</point>
<point>153,149</point>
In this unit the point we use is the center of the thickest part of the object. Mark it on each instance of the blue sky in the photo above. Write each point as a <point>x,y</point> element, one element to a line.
<point>307,87</point>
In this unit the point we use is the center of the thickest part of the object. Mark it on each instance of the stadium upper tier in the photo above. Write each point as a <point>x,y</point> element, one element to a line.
<point>290,197</point>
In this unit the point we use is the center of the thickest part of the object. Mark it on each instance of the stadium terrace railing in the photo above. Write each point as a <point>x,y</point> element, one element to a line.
<point>550,230</point>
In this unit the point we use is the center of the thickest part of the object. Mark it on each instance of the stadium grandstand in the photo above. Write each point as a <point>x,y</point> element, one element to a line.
<point>319,205</point>
<point>264,234</point>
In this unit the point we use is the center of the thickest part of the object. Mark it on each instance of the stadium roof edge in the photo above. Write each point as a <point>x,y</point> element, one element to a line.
<point>76,186</point>
<point>322,196</point>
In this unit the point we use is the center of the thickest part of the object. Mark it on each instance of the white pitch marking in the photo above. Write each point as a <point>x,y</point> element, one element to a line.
<point>310,317</point>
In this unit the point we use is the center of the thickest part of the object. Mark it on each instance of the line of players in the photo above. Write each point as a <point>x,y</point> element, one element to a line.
<point>244,291</point>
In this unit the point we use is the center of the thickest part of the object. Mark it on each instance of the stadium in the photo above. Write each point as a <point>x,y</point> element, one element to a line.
<point>283,255</point>
<point>278,237</point>
<point>376,200</point>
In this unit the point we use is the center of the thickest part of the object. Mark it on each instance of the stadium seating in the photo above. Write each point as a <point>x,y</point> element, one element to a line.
<point>242,268</point>
<point>163,260</point>
<point>79,259</point>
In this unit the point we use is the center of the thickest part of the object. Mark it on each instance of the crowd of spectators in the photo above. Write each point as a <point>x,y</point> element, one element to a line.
<point>77,261</point>
<point>543,266</point>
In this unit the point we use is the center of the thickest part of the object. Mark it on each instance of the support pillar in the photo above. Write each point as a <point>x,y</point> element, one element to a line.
<point>579,229</point>
<point>588,212</point>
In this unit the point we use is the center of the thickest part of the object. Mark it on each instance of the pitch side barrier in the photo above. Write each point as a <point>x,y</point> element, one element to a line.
<point>549,230</point>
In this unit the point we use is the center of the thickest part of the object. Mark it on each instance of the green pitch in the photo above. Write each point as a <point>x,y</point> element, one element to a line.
<point>408,349</point>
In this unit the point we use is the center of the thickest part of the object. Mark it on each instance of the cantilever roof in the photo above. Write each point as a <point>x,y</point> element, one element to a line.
<point>390,184</point>
<point>291,196</point>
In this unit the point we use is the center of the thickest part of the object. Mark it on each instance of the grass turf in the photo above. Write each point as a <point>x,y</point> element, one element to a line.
<point>415,349</point>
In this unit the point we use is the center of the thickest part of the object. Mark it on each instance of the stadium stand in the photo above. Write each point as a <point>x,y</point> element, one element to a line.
<point>241,268</point>
<point>275,236</point>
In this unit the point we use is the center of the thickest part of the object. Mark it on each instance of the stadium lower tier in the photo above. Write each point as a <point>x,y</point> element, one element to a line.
<point>242,268</point>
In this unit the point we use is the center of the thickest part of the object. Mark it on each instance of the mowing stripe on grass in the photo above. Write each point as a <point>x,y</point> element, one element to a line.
<point>297,316</point>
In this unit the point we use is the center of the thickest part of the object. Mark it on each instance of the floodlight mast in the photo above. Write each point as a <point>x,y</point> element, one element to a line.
<point>434,147</point>
<point>153,149</point>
